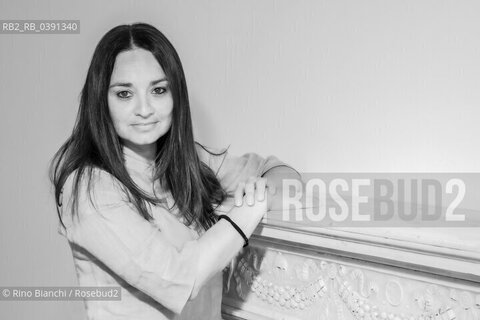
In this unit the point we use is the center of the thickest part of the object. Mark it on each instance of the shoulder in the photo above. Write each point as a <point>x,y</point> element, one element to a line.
<point>90,177</point>
<point>93,186</point>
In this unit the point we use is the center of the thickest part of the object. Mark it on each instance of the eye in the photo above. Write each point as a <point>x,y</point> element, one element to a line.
<point>159,90</point>
<point>124,94</point>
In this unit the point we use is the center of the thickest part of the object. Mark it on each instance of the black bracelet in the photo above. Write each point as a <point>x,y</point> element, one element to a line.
<point>222,216</point>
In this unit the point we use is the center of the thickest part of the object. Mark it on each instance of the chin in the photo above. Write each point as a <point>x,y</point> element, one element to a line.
<point>149,140</point>
<point>146,142</point>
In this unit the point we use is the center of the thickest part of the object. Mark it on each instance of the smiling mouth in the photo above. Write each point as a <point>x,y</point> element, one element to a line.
<point>145,124</point>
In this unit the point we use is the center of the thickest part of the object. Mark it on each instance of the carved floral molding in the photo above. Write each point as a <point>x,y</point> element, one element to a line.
<point>305,287</point>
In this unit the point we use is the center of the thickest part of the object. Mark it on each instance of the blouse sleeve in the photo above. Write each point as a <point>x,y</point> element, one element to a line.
<point>231,170</point>
<point>111,230</point>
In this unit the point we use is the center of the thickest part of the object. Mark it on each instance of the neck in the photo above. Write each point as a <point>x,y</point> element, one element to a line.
<point>147,152</point>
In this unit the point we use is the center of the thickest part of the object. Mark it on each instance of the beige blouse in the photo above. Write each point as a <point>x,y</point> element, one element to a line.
<point>112,245</point>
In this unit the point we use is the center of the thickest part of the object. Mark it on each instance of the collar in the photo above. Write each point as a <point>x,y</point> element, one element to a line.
<point>134,161</point>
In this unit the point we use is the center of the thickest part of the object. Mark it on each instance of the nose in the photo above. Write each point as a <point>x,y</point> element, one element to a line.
<point>143,108</point>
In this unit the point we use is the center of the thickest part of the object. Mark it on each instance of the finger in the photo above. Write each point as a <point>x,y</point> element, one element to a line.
<point>272,189</point>
<point>260,187</point>
<point>226,206</point>
<point>221,209</point>
<point>239,192</point>
<point>250,192</point>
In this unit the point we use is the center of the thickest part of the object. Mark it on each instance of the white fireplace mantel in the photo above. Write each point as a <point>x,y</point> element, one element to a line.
<point>355,273</point>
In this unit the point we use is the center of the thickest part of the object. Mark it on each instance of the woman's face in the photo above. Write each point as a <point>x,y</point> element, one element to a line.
<point>139,100</point>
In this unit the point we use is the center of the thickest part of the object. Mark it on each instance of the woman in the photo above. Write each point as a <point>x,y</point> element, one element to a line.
<point>138,199</point>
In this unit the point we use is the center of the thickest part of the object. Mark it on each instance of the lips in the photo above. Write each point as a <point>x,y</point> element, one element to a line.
<point>145,124</point>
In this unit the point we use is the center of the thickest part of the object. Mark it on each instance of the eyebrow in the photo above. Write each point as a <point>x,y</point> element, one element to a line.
<point>128,84</point>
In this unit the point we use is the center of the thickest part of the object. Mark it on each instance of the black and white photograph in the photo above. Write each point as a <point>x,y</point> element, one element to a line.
<point>240,160</point>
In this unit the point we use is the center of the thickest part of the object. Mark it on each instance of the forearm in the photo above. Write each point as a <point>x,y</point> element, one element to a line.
<point>221,243</point>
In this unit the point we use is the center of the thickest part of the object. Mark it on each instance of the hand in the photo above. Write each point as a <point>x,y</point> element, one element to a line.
<point>247,217</point>
<point>253,190</point>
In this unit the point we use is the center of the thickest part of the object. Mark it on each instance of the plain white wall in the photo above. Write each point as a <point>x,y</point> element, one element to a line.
<point>369,85</point>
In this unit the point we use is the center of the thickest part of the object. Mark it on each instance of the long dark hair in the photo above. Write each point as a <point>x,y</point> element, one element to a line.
<point>94,142</point>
